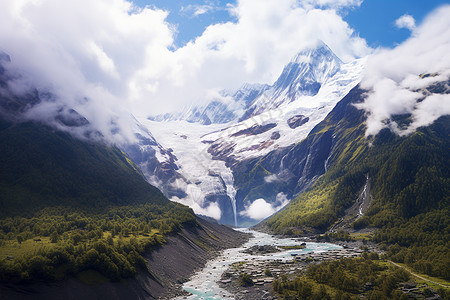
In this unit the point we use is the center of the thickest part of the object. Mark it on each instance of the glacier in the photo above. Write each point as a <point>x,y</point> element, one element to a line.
<point>309,87</point>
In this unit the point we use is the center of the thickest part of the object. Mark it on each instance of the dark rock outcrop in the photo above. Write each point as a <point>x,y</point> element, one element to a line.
<point>291,170</point>
<point>297,120</point>
<point>222,151</point>
<point>275,135</point>
<point>162,174</point>
<point>255,129</point>
<point>71,118</point>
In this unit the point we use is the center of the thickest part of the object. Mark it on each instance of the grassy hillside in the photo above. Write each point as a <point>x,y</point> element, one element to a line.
<point>410,187</point>
<point>71,207</point>
<point>355,278</point>
<point>41,167</point>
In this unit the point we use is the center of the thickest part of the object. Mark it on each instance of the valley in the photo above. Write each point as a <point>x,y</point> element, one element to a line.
<point>275,153</point>
<point>216,278</point>
<point>242,274</point>
<point>211,155</point>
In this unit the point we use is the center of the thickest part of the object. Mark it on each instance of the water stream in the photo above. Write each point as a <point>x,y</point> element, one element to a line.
<point>363,198</point>
<point>228,179</point>
<point>203,285</point>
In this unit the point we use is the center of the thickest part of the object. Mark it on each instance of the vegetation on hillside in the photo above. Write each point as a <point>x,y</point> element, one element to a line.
<point>69,206</point>
<point>42,167</point>
<point>58,241</point>
<point>410,188</point>
<point>348,278</point>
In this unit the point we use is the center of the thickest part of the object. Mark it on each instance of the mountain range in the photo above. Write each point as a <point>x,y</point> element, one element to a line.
<point>293,154</point>
<point>300,146</point>
<point>216,144</point>
<point>76,210</point>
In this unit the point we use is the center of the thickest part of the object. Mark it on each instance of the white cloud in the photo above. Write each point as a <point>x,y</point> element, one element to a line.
<point>228,54</point>
<point>120,56</point>
<point>281,201</point>
<point>196,200</point>
<point>104,61</point>
<point>260,209</point>
<point>406,21</point>
<point>211,210</point>
<point>197,10</point>
<point>271,178</point>
<point>393,76</point>
<point>336,4</point>
<point>82,50</point>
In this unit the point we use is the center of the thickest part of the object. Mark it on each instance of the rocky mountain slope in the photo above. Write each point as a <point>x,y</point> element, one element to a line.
<point>156,163</point>
<point>77,215</point>
<point>214,159</point>
<point>408,181</point>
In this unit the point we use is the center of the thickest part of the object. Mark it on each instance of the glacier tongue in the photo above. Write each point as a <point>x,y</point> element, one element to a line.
<point>207,179</point>
<point>315,108</point>
<point>205,152</point>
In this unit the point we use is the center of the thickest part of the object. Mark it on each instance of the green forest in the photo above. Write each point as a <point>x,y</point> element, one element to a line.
<point>68,206</point>
<point>410,180</point>
<point>58,242</point>
<point>349,278</point>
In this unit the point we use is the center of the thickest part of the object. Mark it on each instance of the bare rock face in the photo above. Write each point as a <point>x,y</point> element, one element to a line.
<point>71,118</point>
<point>297,120</point>
<point>275,135</point>
<point>255,129</point>
<point>221,150</point>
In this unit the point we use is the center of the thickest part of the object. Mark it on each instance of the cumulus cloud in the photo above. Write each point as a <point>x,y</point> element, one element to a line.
<point>122,58</point>
<point>261,209</point>
<point>211,210</point>
<point>258,210</point>
<point>336,4</point>
<point>229,54</point>
<point>406,21</point>
<point>84,52</point>
<point>393,77</point>
<point>196,200</point>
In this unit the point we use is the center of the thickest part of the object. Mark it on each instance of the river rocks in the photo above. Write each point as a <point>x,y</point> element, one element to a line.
<point>264,271</point>
<point>264,249</point>
<point>262,283</point>
<point>297,120</point>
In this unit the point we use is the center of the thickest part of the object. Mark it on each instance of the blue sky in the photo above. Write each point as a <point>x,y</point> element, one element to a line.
<point>141,58</point>
<point>374,20</point>
<point>182,15</point>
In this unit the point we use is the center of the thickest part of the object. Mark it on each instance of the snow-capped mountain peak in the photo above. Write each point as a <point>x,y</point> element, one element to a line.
<point>249,123</point>
<point>306,72</point>
<point>304,75</point>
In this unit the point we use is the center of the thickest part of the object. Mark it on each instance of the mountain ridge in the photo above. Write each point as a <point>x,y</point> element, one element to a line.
<point>409,187</point>
<point>75,209</point>
<point>302,75</point>
<point>249,139</point>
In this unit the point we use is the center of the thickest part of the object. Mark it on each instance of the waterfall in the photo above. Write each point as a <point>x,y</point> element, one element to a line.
<point>231,192</point>
<point>363,197</point>
<point>329,154</point>
<point>228,179</point>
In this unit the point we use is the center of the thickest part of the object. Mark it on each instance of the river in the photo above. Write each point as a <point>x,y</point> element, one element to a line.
<point>203,285</point>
